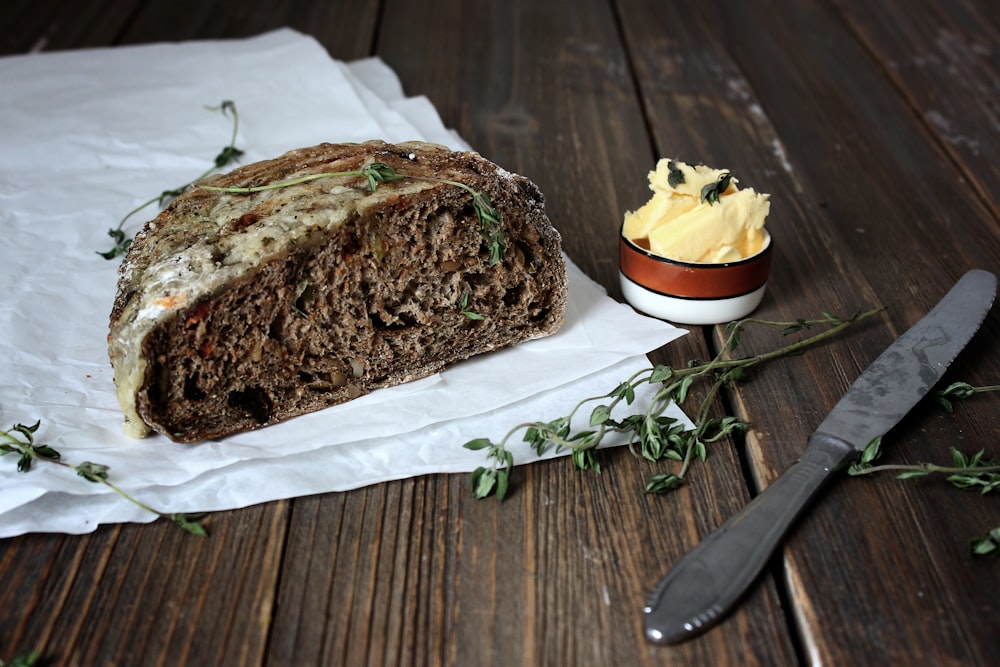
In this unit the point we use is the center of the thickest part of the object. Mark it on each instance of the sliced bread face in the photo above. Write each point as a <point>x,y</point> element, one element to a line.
<point>236,310</point>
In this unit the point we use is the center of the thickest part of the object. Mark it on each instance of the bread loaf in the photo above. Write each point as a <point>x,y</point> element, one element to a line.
<point>237,310</point>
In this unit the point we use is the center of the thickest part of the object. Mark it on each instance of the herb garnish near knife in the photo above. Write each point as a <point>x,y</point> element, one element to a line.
<point>711,578</point>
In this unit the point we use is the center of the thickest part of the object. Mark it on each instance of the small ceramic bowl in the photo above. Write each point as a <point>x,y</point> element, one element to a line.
<point>691,292</point>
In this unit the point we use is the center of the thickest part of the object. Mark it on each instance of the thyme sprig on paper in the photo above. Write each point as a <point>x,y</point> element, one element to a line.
<point>229,153</point>
<point>20,440</point>
<point>653,435</point>
<point>376,173</point>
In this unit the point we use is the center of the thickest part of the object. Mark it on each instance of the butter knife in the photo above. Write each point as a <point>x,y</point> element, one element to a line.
<point>708,581</point>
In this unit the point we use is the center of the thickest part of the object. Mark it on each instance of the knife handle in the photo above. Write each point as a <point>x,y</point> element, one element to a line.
<point>712,577</point>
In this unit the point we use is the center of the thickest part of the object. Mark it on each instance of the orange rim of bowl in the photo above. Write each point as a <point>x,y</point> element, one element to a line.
<point>694,280</point>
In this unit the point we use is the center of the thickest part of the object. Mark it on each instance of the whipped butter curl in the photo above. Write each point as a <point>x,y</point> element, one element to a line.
<point>698,214</point>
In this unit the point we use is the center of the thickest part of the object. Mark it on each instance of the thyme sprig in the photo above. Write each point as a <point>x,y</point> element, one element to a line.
<point>967,472</point>
<point>20,440</point>
<point>711,192</point>
<point>229,153</point>
<point>986,545</point>
<point>652,434</point>
<point>376,173</point>
<point>675,175</point>
<point>959,390</point>
<point>25,660</point>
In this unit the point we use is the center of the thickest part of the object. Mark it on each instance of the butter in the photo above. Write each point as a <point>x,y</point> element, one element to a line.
<point>690,220</point>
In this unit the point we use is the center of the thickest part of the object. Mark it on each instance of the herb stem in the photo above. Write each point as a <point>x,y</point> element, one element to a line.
<point>653,435</point>
<point>491,228</point>
<point>29,452</point>
<point>278,185</point>
<point>228,154</point>
<point>925,467</point>
<point>791,349</point>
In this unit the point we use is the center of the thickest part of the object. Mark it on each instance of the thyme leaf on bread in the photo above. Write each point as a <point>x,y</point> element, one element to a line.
<point>229,154</point>
<point>652,434</point>
<point>463,307</point>
<point>20,440</point>
<point>376,173</point>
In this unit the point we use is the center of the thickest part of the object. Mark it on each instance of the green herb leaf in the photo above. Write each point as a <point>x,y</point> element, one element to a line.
<point>987,545</point>
<point>491,227</point>
<point>190,524</point>
<point>664,483</point>
<point>711,192</point>
<point>586,459</point>
<point>675,176</point>
<point>484,480</point>
<point>92,472</point>
<point>226,156</point>
<point>26,660</point>
<point>503,479</point>
<point>599,415</point>
<point>20,440</point>
<point>651,434</point>
<point>121,244</point>
<point>478,443</point>
<point>463,307</point>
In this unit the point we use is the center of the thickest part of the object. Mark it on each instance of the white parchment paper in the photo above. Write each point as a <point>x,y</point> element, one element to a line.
<point>88,135</point>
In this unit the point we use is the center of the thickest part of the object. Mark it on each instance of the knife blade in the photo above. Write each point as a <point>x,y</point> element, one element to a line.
<point>711,578</point>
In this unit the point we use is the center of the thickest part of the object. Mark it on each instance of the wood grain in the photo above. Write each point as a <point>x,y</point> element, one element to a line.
<point>872,125</point>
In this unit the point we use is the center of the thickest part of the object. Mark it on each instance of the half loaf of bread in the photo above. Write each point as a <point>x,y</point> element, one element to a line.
<point>236,310</point>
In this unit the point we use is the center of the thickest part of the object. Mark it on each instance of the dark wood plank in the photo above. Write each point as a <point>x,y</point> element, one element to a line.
<point>589,153</point>
<point>346,29</point>
<point>822,105</point>
<point>943,59</point>
<point>49,25</point>
<point>859,199</point>
<point>151,594</point>
<point>145,594</point>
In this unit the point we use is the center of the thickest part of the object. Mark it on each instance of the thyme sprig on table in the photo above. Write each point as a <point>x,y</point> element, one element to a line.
<point>973,472</point>
<point>229,153</point>
<point>959,390</point>
<point>968,472</point>
<point>376,173</point>
<point>652,434</point>
<point>25,660</point>
<point>20,440</point>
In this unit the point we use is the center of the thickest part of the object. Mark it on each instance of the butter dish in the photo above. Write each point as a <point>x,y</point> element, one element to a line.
<point>693,292</point>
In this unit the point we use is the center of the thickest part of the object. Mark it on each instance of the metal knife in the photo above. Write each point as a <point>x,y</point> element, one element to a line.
<point>711,578</point>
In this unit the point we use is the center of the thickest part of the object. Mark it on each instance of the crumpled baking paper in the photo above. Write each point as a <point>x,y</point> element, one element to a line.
<point>87,136</point>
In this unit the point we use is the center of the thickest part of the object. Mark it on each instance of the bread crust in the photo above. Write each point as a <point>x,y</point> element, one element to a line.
<point>235,311</point>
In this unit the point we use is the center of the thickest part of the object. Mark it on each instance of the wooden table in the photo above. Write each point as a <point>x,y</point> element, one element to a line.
<point>874,125</point>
